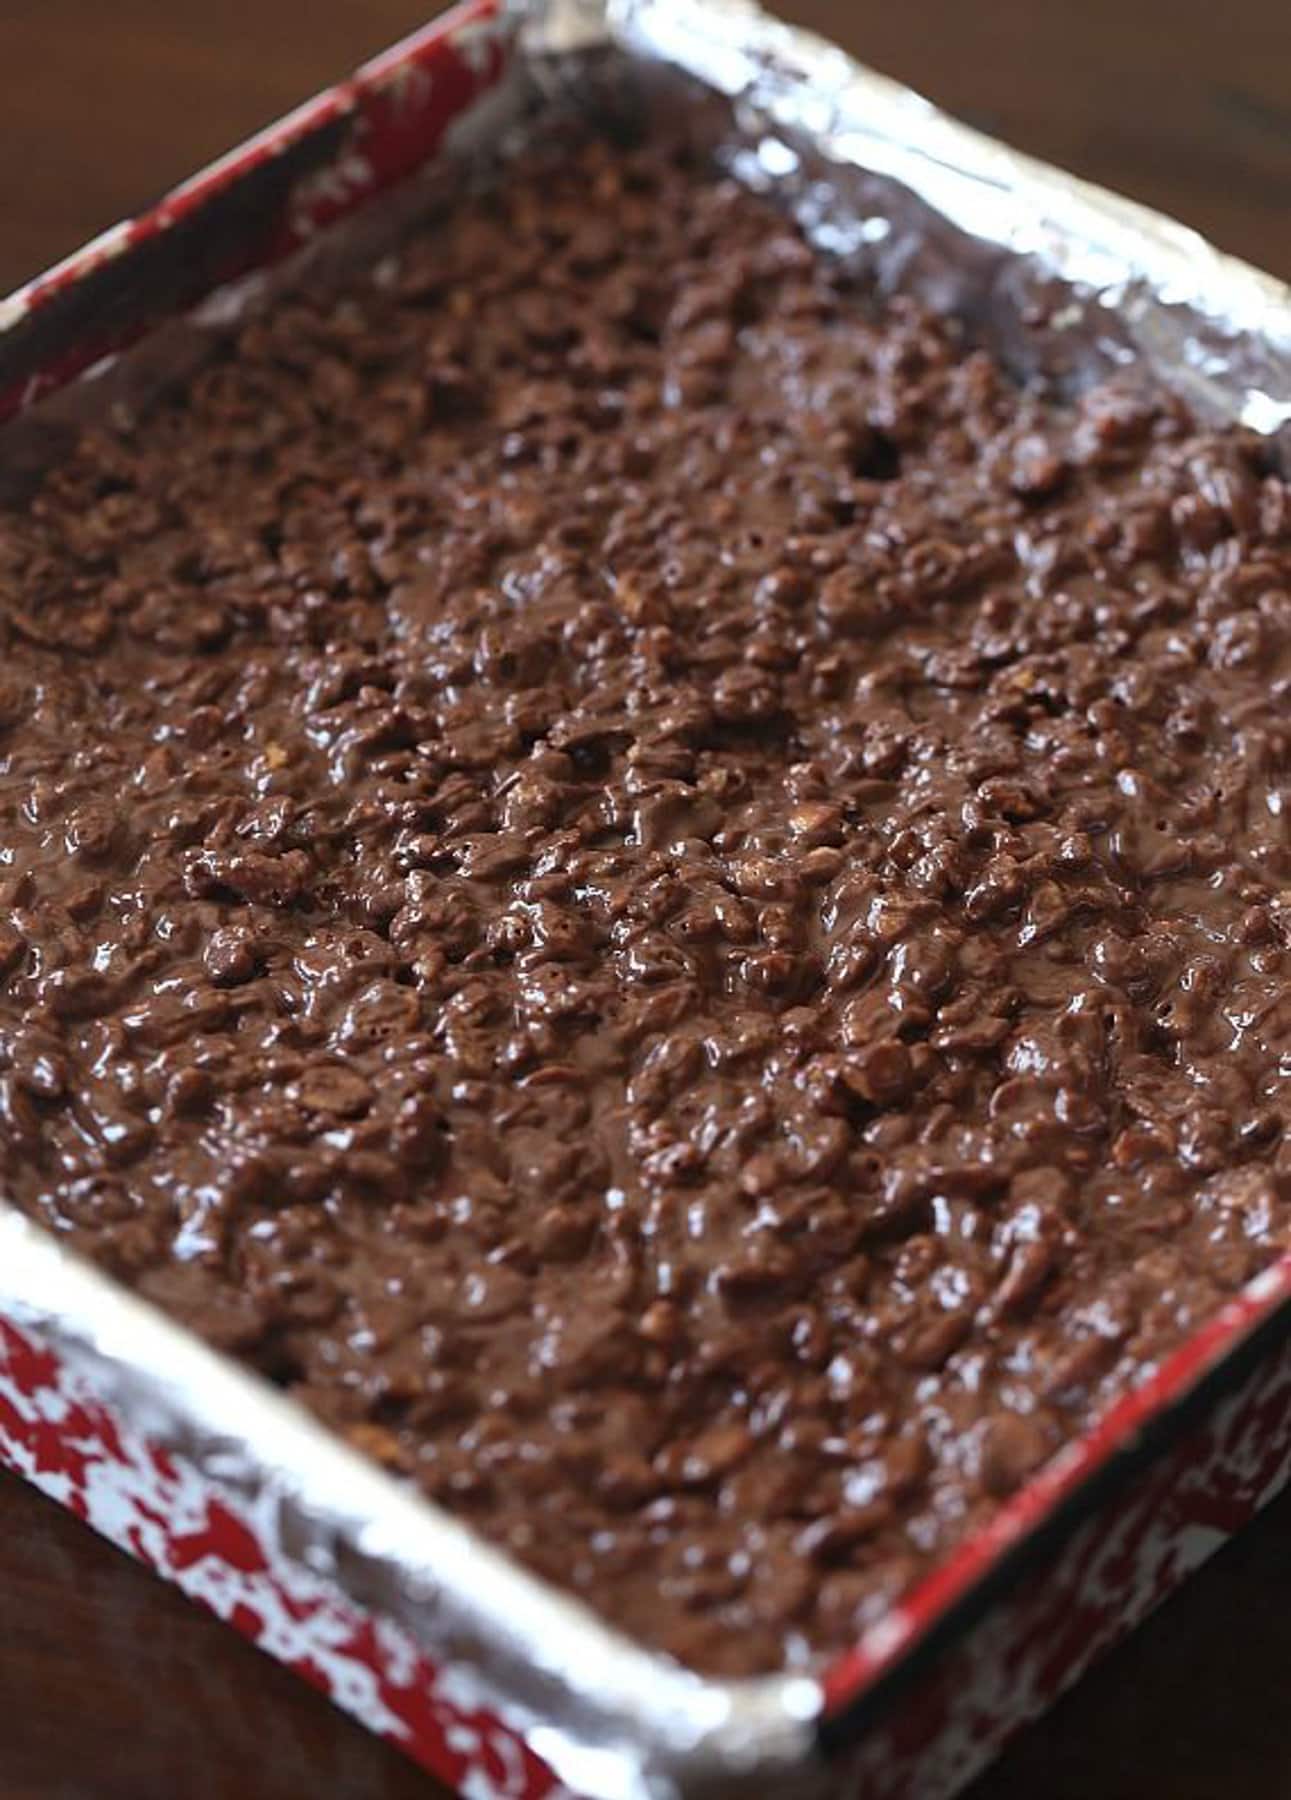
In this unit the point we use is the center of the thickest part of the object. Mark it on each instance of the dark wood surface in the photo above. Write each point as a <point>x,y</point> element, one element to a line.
<point>111,1686</point>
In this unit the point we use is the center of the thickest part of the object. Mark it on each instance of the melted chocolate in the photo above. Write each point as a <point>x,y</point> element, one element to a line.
<point>658,894</point>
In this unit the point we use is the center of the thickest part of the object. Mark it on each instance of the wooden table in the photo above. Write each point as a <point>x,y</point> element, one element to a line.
<point>111,1686</point>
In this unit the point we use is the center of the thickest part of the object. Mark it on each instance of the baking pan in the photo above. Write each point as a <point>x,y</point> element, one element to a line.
<point>430,1637</point>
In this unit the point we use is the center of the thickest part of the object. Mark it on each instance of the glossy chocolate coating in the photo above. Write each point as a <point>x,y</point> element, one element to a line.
<point>655,891</point>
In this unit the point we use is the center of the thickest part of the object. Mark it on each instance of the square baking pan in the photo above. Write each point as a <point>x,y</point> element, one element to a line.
<point>429,1636</point>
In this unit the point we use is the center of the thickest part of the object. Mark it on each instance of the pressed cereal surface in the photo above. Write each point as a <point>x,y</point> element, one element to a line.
<point>658,894</point>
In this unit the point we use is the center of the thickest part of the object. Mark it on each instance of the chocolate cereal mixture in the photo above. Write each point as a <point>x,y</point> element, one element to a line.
<point>655,891</point>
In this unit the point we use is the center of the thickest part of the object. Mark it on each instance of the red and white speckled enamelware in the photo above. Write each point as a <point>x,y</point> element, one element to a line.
<point>254,206</point>
<point>428,1636</point>
<point>156,1506</point>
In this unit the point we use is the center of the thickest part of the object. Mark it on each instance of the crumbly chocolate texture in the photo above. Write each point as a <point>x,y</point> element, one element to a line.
<point>654,891</point>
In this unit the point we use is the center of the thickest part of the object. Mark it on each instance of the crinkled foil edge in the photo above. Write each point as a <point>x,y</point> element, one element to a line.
<point>613,1720</point>
<point>919,203</point>
<point>1062,278</point>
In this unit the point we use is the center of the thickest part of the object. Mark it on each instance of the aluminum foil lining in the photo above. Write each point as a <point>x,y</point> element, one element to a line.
<point>615,1721</point>
<point>917,203</point>
<point>922,204</point>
